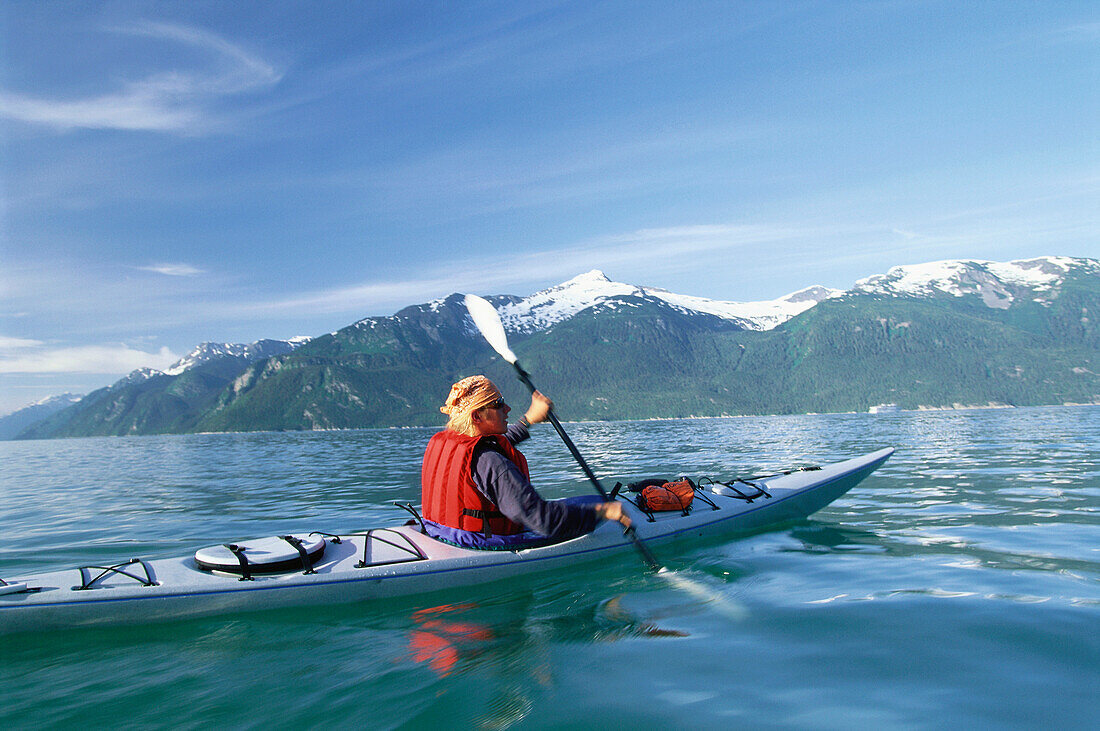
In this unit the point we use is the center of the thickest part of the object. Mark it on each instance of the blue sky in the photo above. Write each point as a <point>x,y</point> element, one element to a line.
<point>176,172</point>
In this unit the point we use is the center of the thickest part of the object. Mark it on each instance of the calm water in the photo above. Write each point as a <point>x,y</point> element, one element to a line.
<point>959,586</point>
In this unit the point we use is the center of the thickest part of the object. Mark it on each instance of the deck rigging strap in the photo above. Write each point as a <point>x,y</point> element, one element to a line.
<point>702,495</point>
<point>406,546</point>
<point>117,569</point>
<point>761,492</point>
<point>808,468</point>
<point>415,554</point>
<point>297,543</point>
<point>731,484</point>
<point>238,551</point>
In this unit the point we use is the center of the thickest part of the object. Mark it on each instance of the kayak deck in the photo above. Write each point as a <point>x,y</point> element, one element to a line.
<point>393,561</point>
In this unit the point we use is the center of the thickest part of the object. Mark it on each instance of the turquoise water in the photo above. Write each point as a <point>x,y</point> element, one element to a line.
<point>959,586</point>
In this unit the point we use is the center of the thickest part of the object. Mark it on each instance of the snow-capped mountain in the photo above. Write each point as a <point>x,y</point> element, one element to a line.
<point>13,423</point>
<point>207,352</point>
<point>63,400</point>
<point>50,403</point>
<point>999,284</point>
<point>556,304</point>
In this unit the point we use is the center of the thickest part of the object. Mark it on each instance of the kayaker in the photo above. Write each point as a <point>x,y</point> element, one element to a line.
<point>477,484</point>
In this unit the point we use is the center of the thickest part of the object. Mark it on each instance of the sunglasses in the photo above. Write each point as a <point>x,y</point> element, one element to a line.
<point>498,404</point>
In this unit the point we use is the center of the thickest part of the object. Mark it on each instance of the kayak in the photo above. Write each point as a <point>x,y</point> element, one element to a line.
<point>401,560</point>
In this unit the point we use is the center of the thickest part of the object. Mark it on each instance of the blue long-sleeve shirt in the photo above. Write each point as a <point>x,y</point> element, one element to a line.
<point>500,480</point>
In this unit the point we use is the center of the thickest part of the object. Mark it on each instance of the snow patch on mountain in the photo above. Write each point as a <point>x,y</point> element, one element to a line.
<point>751,315</point>
<point>999,284</point>
<point>556,304</point>
<point>203,353</point>
<point>207,352</point>
<point>137,376</point>
<point>64,399</point>
<point>49,404</point>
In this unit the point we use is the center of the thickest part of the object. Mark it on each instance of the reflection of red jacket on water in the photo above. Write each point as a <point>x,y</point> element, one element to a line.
<point>467,479</point>
<point>439,639</point>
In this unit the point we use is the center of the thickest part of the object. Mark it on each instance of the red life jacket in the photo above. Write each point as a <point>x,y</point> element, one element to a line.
<point>449,495</point>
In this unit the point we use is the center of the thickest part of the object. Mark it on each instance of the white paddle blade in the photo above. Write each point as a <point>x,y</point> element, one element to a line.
<point>488,322</point>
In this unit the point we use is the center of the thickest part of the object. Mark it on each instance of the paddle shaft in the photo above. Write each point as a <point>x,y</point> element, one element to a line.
<point>647,556</point>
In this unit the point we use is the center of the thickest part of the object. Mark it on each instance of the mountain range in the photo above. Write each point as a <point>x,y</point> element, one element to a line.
<point>12,424</point>
<point>941,334</point>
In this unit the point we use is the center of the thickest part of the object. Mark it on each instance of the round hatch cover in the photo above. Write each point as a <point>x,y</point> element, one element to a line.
<point>262,555</point>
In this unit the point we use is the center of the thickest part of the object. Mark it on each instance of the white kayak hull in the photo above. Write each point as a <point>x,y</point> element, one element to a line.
<point>391,562</point>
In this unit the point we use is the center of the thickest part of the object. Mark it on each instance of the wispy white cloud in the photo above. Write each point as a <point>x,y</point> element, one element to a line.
<point>240,71</point>
<point>163,101</point>
<point>173,269</point>
<point>1080,33</point>
<point>102,359</point>
<point>136,108</point>
<point>7,343</point>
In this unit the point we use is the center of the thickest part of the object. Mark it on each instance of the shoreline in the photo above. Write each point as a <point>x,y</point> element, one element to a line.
<point>918,410</point>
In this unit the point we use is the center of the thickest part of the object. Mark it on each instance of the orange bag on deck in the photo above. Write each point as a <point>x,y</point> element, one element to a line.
<point>669,496</point>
